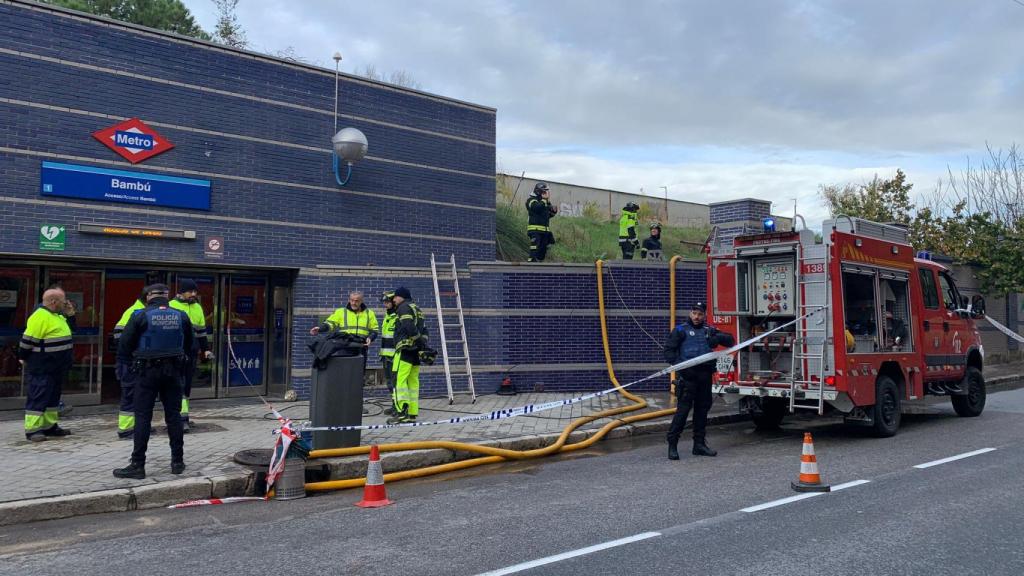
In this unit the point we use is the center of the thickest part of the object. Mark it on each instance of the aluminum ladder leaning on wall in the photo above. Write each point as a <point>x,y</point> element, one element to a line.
<point>452,372</point>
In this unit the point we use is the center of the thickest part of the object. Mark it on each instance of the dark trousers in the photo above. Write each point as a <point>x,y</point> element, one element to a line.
<point>627,249</point>
<point>42,400</point>
<point>161,379</point>
<point>538,245</point>
<point>692,391</point>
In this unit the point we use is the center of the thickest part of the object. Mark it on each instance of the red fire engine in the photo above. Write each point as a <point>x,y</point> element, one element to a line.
<point>887,327</point>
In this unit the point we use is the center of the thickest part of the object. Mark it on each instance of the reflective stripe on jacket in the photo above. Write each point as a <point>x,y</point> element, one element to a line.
<point>46,344</point>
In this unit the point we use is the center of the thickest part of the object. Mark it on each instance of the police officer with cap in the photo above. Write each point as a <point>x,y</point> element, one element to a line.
<point>538,228</point>
<point>691,339</point>
<point>156,342</point>
<point>628,240</point>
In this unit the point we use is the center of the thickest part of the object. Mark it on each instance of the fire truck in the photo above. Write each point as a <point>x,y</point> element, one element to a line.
<point>872,325</point>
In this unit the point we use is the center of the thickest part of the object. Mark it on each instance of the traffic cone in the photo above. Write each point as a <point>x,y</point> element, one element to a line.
<point>810,480</point>
<point>374,494</point>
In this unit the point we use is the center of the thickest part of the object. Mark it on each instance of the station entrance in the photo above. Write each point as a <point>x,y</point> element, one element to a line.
<point>251,310</point>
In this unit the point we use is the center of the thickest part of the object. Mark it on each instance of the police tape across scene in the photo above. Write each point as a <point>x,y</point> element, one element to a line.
<point>535,408</point>
<point>1005,330</point>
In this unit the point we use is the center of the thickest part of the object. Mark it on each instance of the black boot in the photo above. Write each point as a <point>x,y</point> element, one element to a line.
<point>673,452</point>
<point>700,448</point>
<point>133,470</point>
<point>177,467</point>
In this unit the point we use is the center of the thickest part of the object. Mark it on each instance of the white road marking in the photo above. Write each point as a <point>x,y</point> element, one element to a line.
<point>954,458</point>
<point>799,497</point>
<point>571,554</point>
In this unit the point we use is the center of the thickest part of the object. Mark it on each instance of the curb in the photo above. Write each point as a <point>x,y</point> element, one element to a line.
<point>236,480</point>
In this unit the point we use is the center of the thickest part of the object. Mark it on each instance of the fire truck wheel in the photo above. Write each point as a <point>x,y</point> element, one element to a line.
<point>972,403</point>
<point>773,410</point>
<point>886,411</point>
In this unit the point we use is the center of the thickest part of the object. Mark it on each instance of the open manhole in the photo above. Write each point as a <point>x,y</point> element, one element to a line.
<point>254,457</point>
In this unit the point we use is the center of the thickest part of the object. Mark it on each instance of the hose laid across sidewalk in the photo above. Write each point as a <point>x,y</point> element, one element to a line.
<point>494,455</point>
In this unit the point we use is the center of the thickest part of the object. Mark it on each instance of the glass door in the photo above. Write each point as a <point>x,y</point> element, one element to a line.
<point>243,335</point>
<point>85,289</point>
<point>19,295</point>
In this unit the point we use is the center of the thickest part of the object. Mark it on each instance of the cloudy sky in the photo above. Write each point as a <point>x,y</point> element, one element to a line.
<point>713,99</point>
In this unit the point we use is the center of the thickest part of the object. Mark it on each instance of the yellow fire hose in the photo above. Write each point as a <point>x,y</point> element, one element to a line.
<point>493,455</point>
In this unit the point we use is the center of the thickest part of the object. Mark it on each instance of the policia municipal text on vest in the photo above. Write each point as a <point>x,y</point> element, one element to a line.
<point>46,354</point>
<point>628,240</point>
<point>155,343</point>
<point>538,228</point>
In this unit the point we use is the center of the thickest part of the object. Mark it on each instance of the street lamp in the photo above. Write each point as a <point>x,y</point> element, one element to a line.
<point>349,144</point>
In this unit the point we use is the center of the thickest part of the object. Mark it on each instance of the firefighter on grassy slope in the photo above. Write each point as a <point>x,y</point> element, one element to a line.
<point>46,352</point>
<point>651,249</point>
<point>689,340</point>
<point>387,346</point>
<point>410,339</point>
<point>187,301</point>
<point>126,413</point>
<point>628,240</point>
<point>540,211</point>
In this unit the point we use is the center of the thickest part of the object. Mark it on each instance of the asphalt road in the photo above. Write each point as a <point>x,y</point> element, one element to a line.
<point>622,508</point>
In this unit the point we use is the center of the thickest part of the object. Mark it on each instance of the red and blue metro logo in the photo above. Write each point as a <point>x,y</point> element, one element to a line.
<point>133,140</point>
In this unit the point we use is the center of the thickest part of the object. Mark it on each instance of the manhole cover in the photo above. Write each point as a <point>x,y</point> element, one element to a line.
<point>254,457</point>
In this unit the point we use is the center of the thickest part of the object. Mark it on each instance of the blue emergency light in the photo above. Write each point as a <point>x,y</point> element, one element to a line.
<point>769,224</point>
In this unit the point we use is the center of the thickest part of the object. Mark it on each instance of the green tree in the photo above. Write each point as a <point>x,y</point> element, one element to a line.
<point>228,31</point>
<point>169,15</point>
<point>878,200</point>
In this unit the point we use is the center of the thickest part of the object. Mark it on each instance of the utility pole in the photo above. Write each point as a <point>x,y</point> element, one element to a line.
<point>665,188</point>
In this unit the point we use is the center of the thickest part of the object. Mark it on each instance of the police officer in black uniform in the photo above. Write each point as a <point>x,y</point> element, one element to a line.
<point>538,228</point>
<point>693,338</point>
<point>155,342</point>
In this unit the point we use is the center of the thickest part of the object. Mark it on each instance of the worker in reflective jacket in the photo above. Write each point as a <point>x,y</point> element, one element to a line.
<point>187,301</point>
<point>46,352</point>
<point>628,240</point>
<point>692,339</point>
<point>410,339</point>
<point>355,319</point>
<point>387,345</point>
<point>126,413</point>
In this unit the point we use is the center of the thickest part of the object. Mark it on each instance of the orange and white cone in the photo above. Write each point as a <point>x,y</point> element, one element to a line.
<point>374,494</point>
<point>810,480</point>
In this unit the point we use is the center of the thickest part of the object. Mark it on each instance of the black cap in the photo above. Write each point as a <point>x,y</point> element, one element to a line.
<point>186,285</point>
<point>699,306</point>
<point>403,292</point>
<point>540,188</point>
<point>387,295</point>
<point>156,289</point>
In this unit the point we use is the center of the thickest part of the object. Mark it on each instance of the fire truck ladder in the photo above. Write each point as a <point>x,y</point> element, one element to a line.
<point>450,371</point>
<point>811,332</point>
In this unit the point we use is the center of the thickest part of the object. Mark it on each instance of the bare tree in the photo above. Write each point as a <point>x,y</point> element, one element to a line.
<point>996,186</point>
<point>397,77</point>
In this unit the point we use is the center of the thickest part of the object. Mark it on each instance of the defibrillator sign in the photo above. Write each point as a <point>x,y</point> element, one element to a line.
<point>133,140</point>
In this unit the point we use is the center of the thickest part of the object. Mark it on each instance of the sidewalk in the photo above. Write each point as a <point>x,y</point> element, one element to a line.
<point>72,476</point>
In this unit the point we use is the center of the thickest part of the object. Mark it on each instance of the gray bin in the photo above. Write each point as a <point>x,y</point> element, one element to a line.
<point>337,400</point>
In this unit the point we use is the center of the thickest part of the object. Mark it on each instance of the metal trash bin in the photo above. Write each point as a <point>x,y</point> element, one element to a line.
<point>292,482</point>
<point>337,400</point>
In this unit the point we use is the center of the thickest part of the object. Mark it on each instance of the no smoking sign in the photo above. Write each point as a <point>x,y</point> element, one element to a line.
<point>214,247</point>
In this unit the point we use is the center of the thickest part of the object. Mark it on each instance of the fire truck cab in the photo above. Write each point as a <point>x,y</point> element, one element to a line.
<point>876,326</point>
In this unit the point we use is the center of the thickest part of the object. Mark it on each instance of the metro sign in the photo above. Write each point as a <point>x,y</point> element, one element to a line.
<point>133,140</point>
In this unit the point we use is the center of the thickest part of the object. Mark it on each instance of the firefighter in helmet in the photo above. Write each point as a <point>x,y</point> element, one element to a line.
<point>689,340</point>
<point>628,240</point>
<point>651,249</point>
<point>538,228</point>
